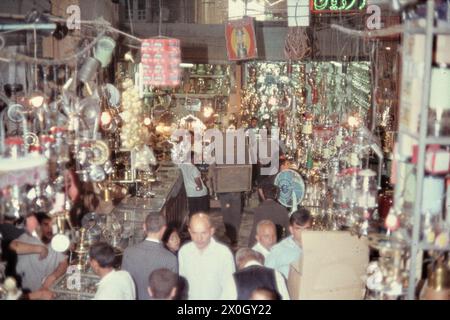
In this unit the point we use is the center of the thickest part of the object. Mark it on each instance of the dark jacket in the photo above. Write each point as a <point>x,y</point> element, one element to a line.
<point>142,259</point>
<point>253,277</point>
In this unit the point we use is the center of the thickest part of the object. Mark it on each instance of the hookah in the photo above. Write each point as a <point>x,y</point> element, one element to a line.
<point>82,251</point>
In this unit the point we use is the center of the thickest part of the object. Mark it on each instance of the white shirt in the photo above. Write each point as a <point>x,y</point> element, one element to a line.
<point>190,172</point>
<point>230,292</point>
<point>207,271</point>
<point>258,247</point>
<point>116,285</point>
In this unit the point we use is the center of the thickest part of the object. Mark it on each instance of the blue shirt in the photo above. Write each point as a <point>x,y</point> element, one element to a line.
<point>282,255</point>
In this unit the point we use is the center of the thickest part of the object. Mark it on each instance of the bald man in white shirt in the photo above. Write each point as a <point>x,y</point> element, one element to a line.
<point>266,237</point>
<point>206,264</point>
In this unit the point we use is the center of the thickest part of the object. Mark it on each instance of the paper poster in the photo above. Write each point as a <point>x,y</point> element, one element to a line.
<point>241,39</point>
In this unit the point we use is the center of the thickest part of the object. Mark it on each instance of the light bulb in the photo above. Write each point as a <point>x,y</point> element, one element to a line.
<point>37,100</point>
<point>207,112</point>
<point>392,222</point>
<point>129,57</point>
<point>353,121</point>
<point>147,121</point>
<point>159,128</point>
<point>105,118</point>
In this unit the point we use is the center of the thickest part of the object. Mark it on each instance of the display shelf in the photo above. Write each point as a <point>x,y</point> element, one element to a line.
<point>431,247</point>
<point>438,30</point>
<point>423,139</point>
<point>209,76</point>
<point>198,95</point>
<point>445,141</point>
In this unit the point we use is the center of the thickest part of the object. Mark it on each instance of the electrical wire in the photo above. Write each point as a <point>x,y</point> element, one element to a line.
<point>130,17</point>
<point>160,19</point>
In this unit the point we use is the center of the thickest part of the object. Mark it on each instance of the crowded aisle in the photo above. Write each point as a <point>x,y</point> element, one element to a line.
<point>224,150</point>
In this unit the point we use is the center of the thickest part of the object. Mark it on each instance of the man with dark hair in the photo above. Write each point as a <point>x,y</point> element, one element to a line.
<point>271,210</point>
<point>38,264</point>
<point>113,285</point>
<point>46,227</point>
<point>163,284</point>
<point>290,249</point>
<point>252,274</point>
<point>143,258</point>
<point>196,191</point>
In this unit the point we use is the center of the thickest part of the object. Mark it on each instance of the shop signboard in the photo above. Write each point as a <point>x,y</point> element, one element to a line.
<point>337,6</point>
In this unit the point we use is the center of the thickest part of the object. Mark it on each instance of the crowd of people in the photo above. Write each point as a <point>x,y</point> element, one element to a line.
<point>160,267</point>
<point>203,268</point>
<point>171,263</point>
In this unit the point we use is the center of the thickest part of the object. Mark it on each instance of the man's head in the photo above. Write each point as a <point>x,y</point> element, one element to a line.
<point>245,255</point>
<point>201,230</point>
<point>102,257</point>
<point>264,294</point>
<point>253,122</point>
<point>266,233</point>
<point>299,220</point>
<point>31,223</point>
<point>270,191</point>
<point>45,224</point>
<point>155,225</point>
<point>162,284</point>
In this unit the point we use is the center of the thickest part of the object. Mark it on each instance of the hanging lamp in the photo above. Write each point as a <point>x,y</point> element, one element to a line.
<point>161,57</point>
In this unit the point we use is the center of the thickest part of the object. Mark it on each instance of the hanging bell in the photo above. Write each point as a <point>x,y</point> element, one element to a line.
<point>438,282</point>
<point>438,279</point>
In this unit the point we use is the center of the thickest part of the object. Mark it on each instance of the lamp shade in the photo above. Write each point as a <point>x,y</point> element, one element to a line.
<point>160,59</point>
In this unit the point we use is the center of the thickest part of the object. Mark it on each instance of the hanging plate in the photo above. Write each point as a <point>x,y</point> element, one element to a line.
<point>101,152</point>
<point>15,112</point>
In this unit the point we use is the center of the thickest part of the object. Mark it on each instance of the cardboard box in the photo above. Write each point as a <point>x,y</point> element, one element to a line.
<point>331,268</point>
<point>232,178</point>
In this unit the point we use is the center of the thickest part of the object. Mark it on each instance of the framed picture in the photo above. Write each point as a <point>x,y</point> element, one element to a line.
<point>241,40</point>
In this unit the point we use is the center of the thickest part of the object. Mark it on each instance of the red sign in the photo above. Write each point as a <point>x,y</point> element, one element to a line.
<point>160,59</point>
<point>241,39</point>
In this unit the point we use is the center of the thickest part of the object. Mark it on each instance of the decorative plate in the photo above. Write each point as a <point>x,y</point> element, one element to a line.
<point>101,152</point>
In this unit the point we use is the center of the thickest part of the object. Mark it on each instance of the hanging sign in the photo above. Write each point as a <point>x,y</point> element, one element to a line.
<point>337,6</point>
<point>160,59</point>
<point>241,40</point>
